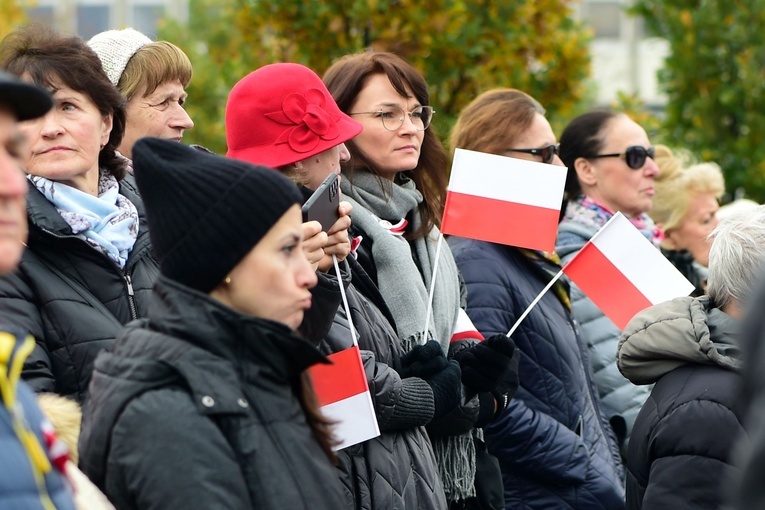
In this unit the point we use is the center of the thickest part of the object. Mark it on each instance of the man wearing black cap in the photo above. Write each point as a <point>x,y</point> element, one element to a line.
<point>30,477</point>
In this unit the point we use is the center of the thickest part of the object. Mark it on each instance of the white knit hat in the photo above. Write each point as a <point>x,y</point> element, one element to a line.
<point>115,48</point>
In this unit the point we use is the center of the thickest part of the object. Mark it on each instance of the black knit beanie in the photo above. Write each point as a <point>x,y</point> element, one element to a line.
<point>205,212</point>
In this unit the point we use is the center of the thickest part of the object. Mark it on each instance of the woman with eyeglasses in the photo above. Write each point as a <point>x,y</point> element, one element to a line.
<point>396,182</point>
<point>610,168</point>
<point>555,448</point>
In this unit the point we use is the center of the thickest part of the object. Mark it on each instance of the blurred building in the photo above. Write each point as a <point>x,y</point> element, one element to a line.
<point>89,17</point>
<point>624,58</point>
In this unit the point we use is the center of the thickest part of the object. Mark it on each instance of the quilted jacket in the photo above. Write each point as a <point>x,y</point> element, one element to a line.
<point>680,452</point>
<point>555,448</point>
<point>196,408</point>
<point>69,331</point>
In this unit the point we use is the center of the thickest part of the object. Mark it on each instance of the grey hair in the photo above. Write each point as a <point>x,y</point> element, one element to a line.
<point>736,257</point>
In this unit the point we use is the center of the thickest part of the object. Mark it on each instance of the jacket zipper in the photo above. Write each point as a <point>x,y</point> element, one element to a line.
<point>131,294</point>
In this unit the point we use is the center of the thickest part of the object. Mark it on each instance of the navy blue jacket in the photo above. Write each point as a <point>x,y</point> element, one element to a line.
<point>554,447</point>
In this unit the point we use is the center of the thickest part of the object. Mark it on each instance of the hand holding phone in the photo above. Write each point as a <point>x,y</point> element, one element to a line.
<point>322,205</point>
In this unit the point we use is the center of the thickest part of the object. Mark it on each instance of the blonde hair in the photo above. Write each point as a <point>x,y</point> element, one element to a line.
<point>680,179</point>
<point>151,66</point>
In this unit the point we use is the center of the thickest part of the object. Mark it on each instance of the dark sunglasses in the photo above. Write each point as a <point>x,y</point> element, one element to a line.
<point>546,153</point>
<point>634,156</point>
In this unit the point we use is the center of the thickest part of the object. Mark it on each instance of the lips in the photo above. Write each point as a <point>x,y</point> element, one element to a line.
<point>53,149</point>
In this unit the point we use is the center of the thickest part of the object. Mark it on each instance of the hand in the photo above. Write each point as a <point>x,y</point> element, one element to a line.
<point>489,364</point>
<point>314,241</point>
<point>423,361</point>
<point>338,240</point>
<point>447,389</point>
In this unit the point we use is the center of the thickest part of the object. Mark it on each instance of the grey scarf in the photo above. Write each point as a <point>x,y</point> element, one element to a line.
<point>404,271</point>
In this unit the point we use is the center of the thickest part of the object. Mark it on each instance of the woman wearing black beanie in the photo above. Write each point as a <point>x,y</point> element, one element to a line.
<point>204,404</point>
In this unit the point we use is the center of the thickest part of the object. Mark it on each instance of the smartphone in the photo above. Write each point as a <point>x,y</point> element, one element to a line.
<point>322,205</point>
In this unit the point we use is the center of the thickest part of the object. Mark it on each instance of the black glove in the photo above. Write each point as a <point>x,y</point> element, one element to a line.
<point>489,364</point>
<point>423,361</point>
<point>447,388</point>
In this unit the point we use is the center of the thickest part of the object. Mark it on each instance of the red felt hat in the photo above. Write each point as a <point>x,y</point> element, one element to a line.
<point>283,113</point>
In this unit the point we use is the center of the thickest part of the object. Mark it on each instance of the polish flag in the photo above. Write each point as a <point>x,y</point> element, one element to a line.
<point>343,395</point>
<point>623,273</point>
<point>503,200</point>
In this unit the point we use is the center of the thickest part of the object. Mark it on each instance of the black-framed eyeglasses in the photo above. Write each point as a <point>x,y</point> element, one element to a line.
<point>546,153</point>
<point>634,156</point>
<point>393,117</point>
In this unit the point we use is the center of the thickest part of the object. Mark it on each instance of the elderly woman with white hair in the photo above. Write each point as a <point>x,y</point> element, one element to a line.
<point>689,347</point>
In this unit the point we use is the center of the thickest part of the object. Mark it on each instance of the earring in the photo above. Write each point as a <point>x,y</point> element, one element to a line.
<point>227,280</point>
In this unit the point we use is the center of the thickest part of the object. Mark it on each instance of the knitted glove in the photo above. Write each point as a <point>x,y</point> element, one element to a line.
<point>447,389</point>
<point>423,361</point>
<point>489,364</point>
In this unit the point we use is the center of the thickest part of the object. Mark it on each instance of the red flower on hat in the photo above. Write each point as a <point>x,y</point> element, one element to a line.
<point>312,122</point>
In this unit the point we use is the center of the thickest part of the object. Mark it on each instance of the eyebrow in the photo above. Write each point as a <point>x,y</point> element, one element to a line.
<point>388,103</point>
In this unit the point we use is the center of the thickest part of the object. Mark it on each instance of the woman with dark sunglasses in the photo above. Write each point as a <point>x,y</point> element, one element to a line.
<point>555,415</point>
<point>610,168</point>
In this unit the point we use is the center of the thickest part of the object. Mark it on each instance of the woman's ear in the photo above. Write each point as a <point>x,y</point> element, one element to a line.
<point>585,172</point>
<point>670,239</point>
<point>107,124</point>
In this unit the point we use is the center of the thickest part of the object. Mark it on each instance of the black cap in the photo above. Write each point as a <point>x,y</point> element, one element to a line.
<point>206,212</point>
<point>25,100</point>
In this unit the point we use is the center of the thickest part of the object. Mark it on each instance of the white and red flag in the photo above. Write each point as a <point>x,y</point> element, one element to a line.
<point>343,395</point>
<point>503,200</point>
<point>623,273</point>
<point>342,390</point>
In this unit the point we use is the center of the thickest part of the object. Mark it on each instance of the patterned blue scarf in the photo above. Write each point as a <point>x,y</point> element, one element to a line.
<point>108,222</point>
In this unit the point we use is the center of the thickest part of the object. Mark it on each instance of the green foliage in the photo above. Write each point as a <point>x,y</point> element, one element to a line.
<point>714,81</point>
<point>12,16</point>
<point>462,48</point>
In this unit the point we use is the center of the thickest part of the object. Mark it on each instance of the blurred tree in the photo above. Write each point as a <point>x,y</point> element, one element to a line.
<point>462,47</point>
<point>714,79</point>
<point>12,16</point>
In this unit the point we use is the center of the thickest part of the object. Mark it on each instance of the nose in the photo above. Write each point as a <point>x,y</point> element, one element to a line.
<point>50,125</point>
<point>305,275</point>
<point>557,161</point>
<point>181,119</point>
<point>407,127</point>
<point>650,168</point>
<point>345,154</point>
<point>12,181</point>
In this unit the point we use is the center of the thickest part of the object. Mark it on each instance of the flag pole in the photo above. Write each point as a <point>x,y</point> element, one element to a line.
<point>533,303</point>
<point>345,301</point>
<point>433,285</point>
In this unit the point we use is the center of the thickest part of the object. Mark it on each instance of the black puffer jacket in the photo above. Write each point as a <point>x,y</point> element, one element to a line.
<point>196,408</point>
<point>555,448</point>
<point>398,468</point>
<point>680,451</point>
<point>69,331</point>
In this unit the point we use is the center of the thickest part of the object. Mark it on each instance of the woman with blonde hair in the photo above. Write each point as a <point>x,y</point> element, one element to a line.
<point>685,208</point>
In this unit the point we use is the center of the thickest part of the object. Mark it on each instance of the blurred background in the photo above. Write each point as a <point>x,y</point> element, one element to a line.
<point>691,72</point>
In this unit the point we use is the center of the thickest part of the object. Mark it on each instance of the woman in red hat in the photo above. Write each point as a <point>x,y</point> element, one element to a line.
<point>282,115</point>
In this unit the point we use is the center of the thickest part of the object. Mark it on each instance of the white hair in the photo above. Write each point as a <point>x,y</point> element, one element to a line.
<point>736,257</point>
